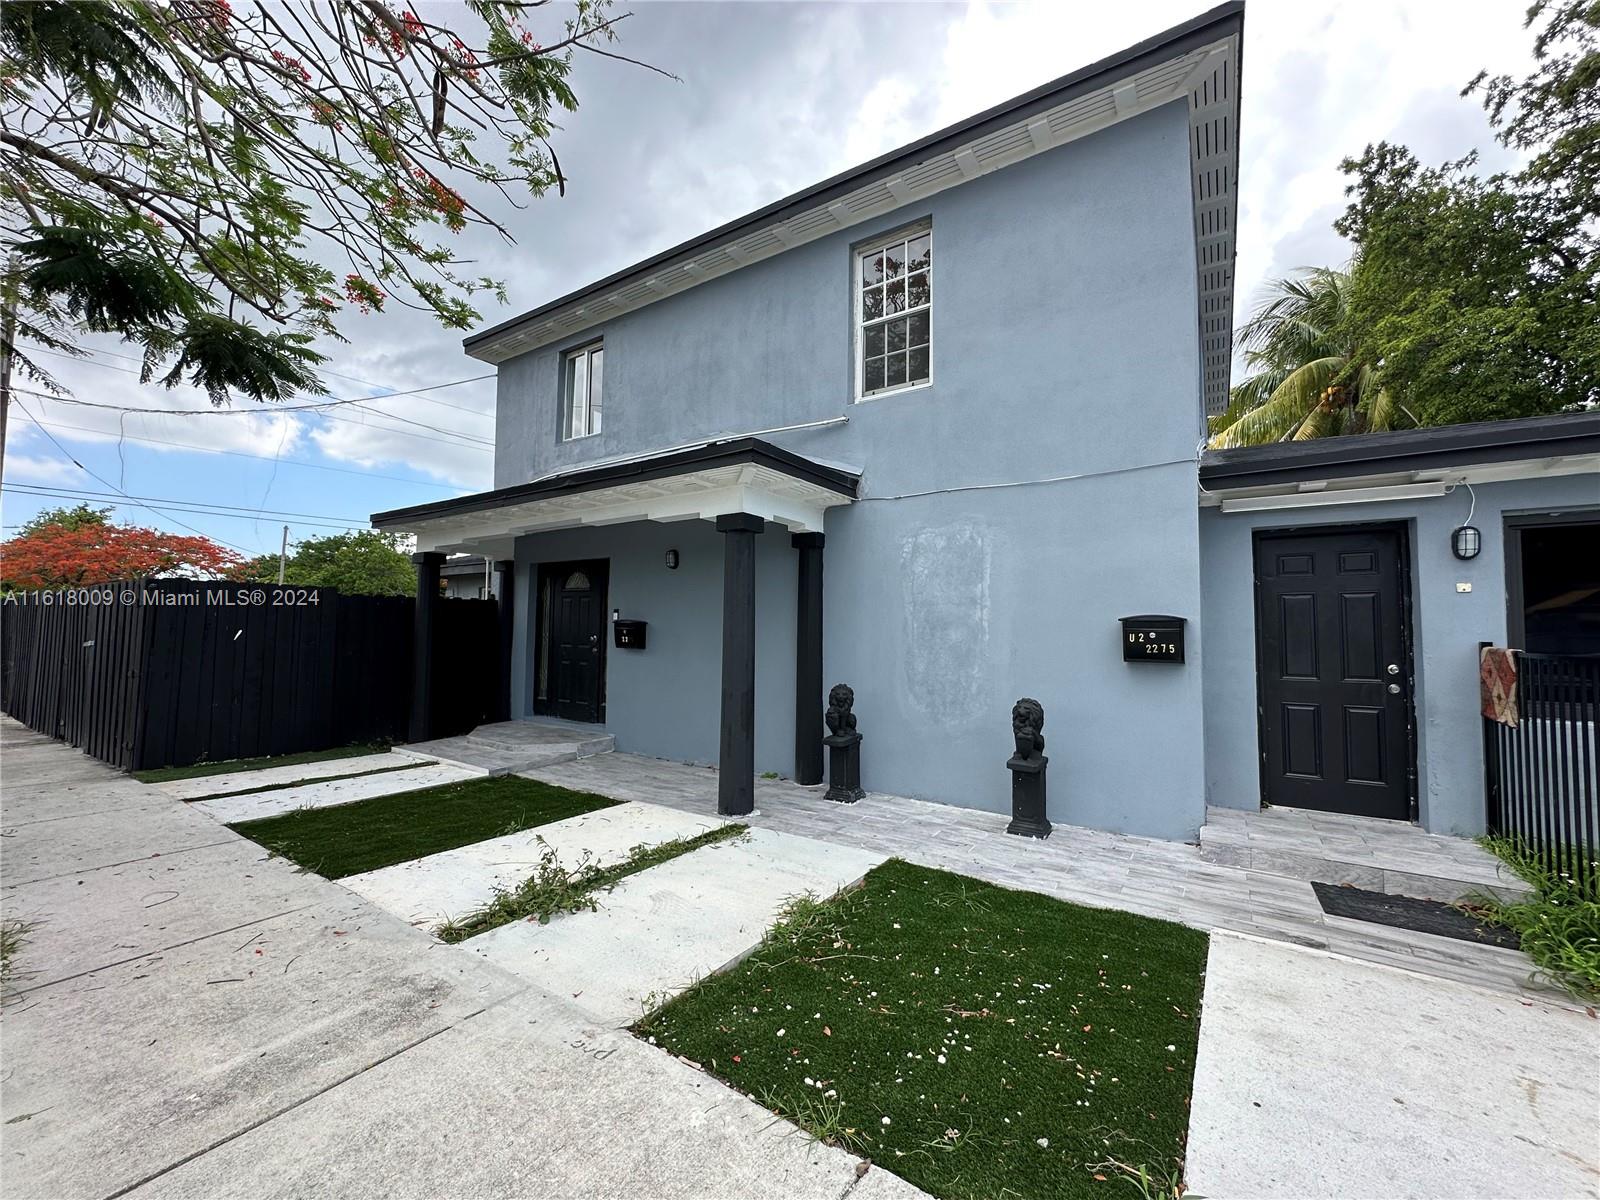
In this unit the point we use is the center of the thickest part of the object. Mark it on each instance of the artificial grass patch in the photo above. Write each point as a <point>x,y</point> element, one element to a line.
<point>347,839</point>
<point>196,770</point>
<point>978,1042</point>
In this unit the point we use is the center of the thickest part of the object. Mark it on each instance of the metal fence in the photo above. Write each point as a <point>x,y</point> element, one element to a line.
<point>172,672</point>
<point>1541,774</point>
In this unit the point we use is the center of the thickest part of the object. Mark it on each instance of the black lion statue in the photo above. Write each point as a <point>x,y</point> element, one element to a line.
<point>840,716</point>
<point>1027,726</point>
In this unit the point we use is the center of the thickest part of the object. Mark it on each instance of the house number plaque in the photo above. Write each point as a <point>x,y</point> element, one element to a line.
<point>1152,638</point>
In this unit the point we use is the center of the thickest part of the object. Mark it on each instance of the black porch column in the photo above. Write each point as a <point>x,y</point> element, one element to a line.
<point>736,780</point>
<point>506,599</point>
<point>422,645</point>
<point>808,661</point>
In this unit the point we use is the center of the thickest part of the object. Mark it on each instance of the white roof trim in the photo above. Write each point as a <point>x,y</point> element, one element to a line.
<point>1301,493</point>
<point>1206,77</point>
<point>694,495</point>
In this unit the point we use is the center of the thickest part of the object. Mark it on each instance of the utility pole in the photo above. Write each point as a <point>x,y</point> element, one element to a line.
<point>283,552</point>
<point>8,335</point>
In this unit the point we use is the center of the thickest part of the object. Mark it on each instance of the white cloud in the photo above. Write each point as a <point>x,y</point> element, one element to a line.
<point>22,468</point>
<point>774,97</point>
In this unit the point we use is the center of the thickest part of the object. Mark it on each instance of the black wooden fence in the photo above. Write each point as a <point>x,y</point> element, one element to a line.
<point>172,672</point>
<point>1543,782</point>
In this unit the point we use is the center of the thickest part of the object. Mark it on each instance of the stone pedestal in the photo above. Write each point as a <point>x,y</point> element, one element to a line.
<point>844,767</point>
<point>1028,817</point>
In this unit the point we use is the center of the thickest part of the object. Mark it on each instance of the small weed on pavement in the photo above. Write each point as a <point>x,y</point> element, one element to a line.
<point>977,1041</point>
<point>553,889</point>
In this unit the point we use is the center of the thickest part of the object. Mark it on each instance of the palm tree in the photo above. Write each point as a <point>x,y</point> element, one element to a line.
<point>1308,378</point>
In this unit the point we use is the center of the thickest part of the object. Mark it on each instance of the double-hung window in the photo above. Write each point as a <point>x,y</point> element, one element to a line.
<point>894,313</point>
<point>585,369</point>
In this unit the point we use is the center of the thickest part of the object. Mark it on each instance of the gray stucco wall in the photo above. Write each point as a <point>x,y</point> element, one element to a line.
<point>1065,360</point>
<point>665,700</point>
<point>1447,626</point>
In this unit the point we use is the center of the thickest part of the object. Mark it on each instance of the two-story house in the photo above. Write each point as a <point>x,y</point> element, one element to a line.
<point>930,428</point>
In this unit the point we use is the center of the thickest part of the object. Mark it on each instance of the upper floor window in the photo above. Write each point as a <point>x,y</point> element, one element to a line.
<point>585,369</point>
<point>894,313</point>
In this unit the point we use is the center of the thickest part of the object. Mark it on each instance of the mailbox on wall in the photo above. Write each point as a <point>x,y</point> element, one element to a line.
<point>1152,638</point>
<point>629,635</point>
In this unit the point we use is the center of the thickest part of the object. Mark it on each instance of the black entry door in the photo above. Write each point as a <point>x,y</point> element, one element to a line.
<point>1333,671</point>
<point>574,597</point>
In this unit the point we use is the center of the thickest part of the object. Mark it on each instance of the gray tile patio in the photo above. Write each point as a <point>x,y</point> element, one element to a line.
<point>1384,856</point>
<point>1157,878</point>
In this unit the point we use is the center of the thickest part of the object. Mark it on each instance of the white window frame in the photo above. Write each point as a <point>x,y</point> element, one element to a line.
<point>859,255</point>
<point>584,352</point>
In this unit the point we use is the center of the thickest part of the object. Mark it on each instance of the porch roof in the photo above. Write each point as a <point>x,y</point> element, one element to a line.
<point>703,481</point>
<point>1483,451</point>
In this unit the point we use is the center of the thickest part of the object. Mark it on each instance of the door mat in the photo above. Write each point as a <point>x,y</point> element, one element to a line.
<point>1406,912</point>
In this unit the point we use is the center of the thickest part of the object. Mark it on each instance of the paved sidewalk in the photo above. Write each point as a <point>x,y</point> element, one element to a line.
<point>192,1018</point>
<point>1321,1076</point>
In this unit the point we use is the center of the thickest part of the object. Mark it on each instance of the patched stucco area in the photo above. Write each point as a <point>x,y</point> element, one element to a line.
<point>944,594</point>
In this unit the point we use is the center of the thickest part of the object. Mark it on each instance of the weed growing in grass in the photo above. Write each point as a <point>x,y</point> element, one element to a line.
<point>1559,926</point>
<point>822,1118</point>
<point>553,889</point>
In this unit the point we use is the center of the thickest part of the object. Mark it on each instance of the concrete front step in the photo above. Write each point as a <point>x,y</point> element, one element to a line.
<point>507,747</point>
<point>536,737</point>
<point>1380,856</point>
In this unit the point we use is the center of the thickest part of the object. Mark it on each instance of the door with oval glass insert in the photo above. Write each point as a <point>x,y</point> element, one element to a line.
<point>1333,671</point>
<point>571,650</point>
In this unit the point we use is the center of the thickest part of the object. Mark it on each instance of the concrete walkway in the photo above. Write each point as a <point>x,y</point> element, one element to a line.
<point>1319,1076</point>
<point>198,786</point>
<point>191,1018</point>
<point>230,810</point>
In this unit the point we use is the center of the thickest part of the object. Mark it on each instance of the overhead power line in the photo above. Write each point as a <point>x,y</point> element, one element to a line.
<point>168,507</point>
<point>193,504</point>
<point>65,453</point>
<point>287,462</point>
<point>465,441</point>
<point>332,402</point>
<point>477,412</point>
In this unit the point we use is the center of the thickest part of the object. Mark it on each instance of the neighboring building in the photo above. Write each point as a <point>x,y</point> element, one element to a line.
<point>1342,625</point>
<point>467,577</point>
<point>971,376</point>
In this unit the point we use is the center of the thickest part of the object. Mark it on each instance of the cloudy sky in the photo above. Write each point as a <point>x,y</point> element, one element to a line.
<point>770,97</point>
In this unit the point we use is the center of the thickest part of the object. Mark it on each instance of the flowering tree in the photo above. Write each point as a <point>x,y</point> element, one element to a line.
<point>180,173</point>
<point>62,555</point>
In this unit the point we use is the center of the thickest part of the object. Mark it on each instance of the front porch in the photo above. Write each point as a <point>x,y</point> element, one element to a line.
<point>589,561</point>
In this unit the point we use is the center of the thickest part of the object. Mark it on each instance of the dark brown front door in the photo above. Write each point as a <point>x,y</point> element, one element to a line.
<point>572,633</point>
<point>1333,671</point>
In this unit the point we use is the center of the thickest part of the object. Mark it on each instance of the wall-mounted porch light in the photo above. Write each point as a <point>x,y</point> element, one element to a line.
<point>672,560</point>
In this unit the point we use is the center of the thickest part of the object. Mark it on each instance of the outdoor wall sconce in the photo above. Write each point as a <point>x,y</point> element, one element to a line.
<point>672,560</point>
<point>1466,541</point>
